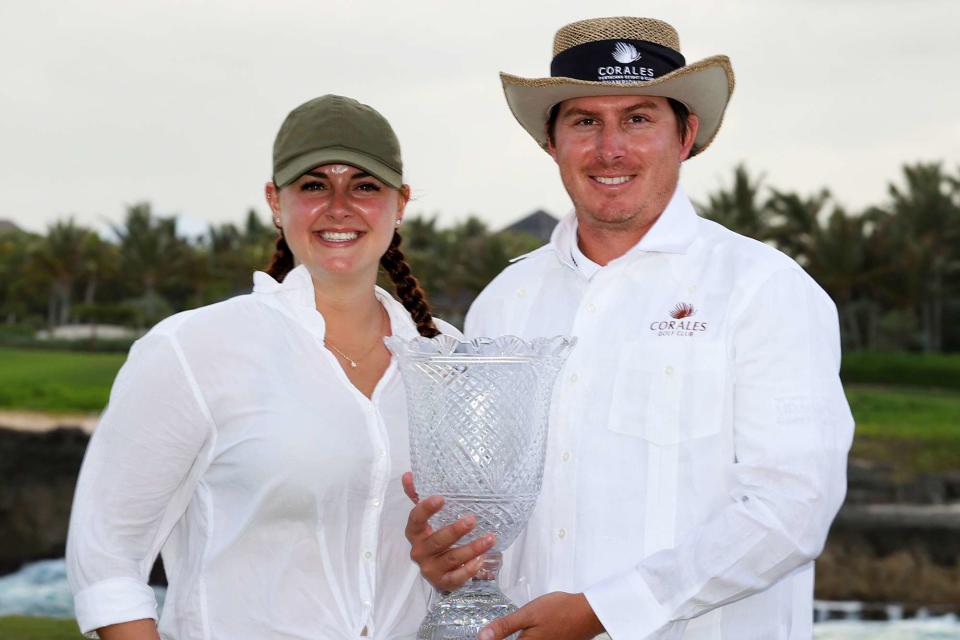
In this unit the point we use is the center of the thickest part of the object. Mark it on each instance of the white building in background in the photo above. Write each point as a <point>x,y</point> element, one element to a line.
<point>89,332</point>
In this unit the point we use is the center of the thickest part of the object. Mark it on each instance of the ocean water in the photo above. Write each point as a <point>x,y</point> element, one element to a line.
<point>40,589</point>
<point>944,628</point>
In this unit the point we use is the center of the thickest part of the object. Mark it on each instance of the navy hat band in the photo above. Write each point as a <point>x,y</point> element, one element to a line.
<point>616,61</point>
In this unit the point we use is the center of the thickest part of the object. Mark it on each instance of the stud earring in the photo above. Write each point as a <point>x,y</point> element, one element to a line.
<point>398,222</point>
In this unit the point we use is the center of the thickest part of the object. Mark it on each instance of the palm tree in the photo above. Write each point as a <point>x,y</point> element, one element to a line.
<point>100,263</point>
<point>837,258</point>
<point>234,253</point>
<point>925,216</point>
<point>796,221</point>
<point>739,208</point>
<point>63,258</point>
<point>151,253</point>
<point>20,279</point>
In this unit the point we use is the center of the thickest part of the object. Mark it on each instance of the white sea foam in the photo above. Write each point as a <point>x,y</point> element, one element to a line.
<point>943,628</point>
<point>40,589</point>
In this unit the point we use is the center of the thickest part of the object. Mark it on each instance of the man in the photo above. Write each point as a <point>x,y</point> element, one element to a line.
<point>699,432</point>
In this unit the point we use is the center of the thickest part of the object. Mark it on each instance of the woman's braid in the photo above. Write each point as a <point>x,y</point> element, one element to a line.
<point>282,261</point>
<point>408,289</point>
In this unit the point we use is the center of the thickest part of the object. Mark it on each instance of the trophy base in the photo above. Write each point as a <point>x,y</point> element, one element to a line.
<point>461,614</point>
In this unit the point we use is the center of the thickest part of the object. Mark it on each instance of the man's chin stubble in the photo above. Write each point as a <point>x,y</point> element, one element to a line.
<point>613,222</point>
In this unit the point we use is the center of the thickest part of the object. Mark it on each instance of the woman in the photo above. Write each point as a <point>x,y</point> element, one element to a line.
<point>258,442</point>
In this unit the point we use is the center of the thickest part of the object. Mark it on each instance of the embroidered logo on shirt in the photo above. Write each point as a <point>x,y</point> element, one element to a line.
<point>682,310</point>
<point>679,326</point>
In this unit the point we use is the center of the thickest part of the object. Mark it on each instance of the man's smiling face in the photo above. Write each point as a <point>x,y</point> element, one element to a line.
<point>619,159</point>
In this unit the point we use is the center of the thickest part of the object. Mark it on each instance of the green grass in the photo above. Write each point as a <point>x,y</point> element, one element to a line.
<point>902,369</point>
<point>56,381</point>
<point>910,427</point>
<point>916,430</point>
<point>32,628</point>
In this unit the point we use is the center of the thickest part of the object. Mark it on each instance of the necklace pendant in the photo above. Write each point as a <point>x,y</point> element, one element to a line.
<point>353,365</point>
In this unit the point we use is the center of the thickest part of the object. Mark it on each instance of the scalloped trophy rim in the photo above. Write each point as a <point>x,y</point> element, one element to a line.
<point>506,348</point>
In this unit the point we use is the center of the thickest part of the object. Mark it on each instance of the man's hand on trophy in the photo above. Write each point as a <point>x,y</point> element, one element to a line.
<point>554,616</point>
<point>444,566</point>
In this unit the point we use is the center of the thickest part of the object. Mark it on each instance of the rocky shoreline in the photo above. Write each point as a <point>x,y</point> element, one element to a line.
<point>896,539</point>
<point>39,471</point>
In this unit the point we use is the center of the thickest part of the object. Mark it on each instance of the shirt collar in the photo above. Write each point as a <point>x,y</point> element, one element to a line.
<point>296,280</point>
<point>588,268</point>
<point>673,232</point>
<point>295,297</point>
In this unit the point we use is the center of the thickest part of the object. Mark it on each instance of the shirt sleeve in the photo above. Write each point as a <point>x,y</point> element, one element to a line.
<point>792,431</point>
<point>139,472</point>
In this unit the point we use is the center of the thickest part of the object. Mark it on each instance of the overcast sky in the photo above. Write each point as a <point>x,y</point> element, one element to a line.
<point>104,103</point>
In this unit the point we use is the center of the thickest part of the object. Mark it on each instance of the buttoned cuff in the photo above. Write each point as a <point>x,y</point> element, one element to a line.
<point>628,609</point>
<point>111,602</point>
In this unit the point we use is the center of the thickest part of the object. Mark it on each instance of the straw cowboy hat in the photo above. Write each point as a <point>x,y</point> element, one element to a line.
<point>622,56</point>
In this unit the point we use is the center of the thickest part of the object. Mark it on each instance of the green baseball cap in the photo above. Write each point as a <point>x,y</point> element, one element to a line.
<point>335,129</point>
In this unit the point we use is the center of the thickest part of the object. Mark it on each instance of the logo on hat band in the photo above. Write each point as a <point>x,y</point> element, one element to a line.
<point>625,53</point>
<point>591,61</point>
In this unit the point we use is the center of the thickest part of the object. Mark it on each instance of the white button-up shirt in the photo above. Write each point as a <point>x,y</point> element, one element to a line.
<point>234,443</point>
<point>698,436</point>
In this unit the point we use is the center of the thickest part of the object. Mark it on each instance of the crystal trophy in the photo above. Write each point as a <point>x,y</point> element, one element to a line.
<point>478,415</point>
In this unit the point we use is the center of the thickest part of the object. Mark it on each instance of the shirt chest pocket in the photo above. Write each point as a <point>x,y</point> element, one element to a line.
<point>669,392</point>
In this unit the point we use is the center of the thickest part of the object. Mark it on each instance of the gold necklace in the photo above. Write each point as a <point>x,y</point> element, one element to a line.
<point>356,363</point>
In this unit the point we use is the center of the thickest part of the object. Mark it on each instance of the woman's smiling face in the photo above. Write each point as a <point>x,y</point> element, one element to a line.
<point>338,220</point>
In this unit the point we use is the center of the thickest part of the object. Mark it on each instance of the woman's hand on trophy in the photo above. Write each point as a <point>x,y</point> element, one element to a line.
<point>444,566</point>
<point>554,616</point>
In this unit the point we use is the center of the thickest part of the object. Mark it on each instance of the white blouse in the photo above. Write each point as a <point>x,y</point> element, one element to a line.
<point>235,445</point>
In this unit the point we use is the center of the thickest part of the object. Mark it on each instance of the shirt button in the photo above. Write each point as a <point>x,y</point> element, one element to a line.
<point>566,456</point>
<point>573,378</point>
<point>668,370</point>
<point>692,289</point>
<point>562,534</point>
<point>521,293</point>
<point>591,307</point>
<point>366,603</point>
<point>381,453</point>
<point>368,555</point>
<point>376,503</point>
